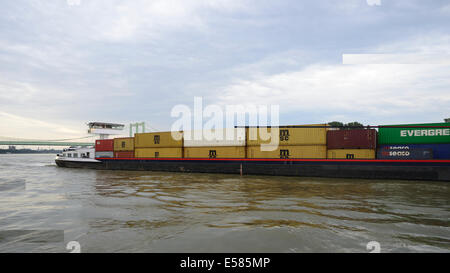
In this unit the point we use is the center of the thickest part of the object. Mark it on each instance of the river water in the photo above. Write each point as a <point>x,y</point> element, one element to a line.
<point>44,207</point>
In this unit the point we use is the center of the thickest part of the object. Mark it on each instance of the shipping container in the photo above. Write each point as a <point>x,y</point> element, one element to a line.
<point>215,137</point>
<point>104,145</point>
<point>159,139</point>
<point>158,152</point>
<point>414,134</point>
<point>214,152</point>
<point>123,154</point>
<point>287,135</point>
<point>402,153</point>
<point>438,151</point>
<point>351,154</point>
<point>104,154</point>
<point>289,151</point>
<point>352,139</point>
<point>124,144</point>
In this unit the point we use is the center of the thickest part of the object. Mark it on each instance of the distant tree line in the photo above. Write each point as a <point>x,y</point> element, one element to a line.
<point>14,150</point>
<point>346,126</point>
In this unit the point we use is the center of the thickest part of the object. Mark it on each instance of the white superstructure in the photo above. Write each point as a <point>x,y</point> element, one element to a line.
<point>87,154</point>
<point>80,154</point>
<point>104,130</point>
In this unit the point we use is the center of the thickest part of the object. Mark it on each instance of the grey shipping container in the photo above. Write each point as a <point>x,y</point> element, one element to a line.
<point>104,154</point>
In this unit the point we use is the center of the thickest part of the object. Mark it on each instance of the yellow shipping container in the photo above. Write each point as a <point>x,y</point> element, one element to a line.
<point>158,152</point>
<point>289,136</point>
<point>351,154</point>
<point>304,151</point>
<point>215,152</point>
<point>124,144</point>
<point>159,139</point>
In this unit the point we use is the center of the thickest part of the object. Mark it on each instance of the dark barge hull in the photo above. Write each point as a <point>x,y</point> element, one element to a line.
<point>432,170</point>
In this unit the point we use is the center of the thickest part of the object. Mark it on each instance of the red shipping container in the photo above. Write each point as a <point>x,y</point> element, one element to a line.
<point>352,139</point>
<point>122,154</point>
<point>104,145</point>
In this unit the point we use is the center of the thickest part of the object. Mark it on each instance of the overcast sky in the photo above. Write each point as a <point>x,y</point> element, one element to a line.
<point>63,65</point>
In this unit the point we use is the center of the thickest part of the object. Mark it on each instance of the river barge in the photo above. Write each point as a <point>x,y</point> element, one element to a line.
<point>311,151</point>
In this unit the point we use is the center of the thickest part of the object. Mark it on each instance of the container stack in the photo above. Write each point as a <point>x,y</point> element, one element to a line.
<point>104,148</point>
<point>293,142</point>
<point>315,141</point>
<point>351,144</point>
<point>158,145</point>
<point>411,141</point>
<point>217,143</point>
<point>124,147</point>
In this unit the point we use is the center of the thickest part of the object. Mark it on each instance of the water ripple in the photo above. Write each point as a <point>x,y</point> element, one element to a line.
<point>121,211</point>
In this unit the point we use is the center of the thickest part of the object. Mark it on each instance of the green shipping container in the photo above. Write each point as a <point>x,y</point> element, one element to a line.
<point>414,135</point>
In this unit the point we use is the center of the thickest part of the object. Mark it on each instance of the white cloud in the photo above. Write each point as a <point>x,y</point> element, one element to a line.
<point>436,42</point>
<point>14,91</point>
<point>446,9</point>
<point>381,91</point>
<point>133,20</point>
<point>28,93</point>
<point>25,127</point>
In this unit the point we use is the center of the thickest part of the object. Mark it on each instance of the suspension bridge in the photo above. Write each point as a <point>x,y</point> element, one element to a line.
<point>48,142</point>
<point>95,129</point>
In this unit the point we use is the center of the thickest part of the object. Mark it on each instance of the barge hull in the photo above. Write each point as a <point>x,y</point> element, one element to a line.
<point>432,170</point>
<point>79,164</point>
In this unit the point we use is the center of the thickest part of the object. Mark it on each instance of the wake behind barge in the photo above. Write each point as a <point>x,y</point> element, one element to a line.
<point>431,170</point>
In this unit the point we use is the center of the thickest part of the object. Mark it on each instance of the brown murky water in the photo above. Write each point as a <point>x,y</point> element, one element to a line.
<point>116,211</point>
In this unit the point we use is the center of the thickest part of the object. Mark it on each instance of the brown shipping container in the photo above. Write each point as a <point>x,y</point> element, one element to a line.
<point>289,136</point>
<point>289,151</point>
<point>159,139</point>
<point>158,152</point>
<point>215,152</point>
<point>124,154</point>
<point>352,139</point>
<point>124,144</point>
<point>104,145</point>
<point>351,154</point>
